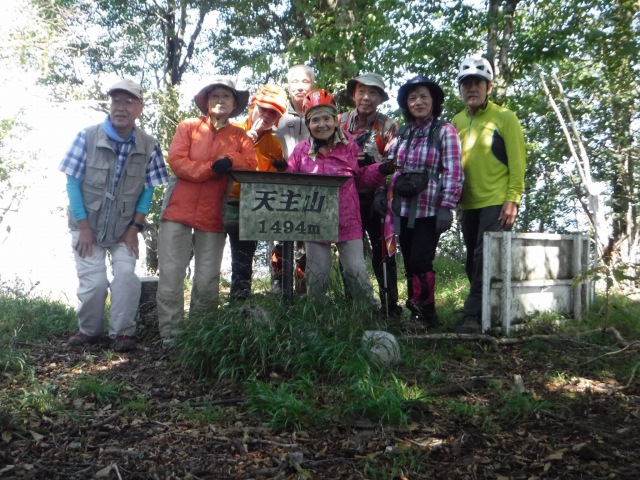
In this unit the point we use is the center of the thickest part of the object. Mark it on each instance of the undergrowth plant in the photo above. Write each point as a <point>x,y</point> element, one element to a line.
<point>206,414</point>
<point>37,396</point>
<point>288,405</point>
<point>92,387</point>
<point>24,318</point>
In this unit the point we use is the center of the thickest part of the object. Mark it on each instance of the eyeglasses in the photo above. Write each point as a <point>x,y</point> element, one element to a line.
<point>124,102</point>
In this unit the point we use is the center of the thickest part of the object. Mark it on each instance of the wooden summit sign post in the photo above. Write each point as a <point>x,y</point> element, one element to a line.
<point>288,207</point>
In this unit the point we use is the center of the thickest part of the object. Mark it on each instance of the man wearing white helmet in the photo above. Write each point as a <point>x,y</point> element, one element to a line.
<point>493,159</point>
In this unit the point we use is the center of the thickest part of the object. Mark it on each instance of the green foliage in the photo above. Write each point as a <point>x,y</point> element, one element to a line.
<point>95,388</point>
<point>403,462</point>
<point>23,319</point>
<point>288,405</point>
<point>6,167</point>
<point>38,397</point>
<point>246,340</point>
<point>612,275</point>
<point>138,406</point>
<point>379,398</point>
<point>11,358</point>
<point>623,314</point>
<point>465,410</point>
<point>518,407</point>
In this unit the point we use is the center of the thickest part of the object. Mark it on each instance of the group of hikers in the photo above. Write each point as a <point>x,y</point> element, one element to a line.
<point>403,183</point>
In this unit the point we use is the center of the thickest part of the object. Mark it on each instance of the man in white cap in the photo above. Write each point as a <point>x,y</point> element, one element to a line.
<point>203,152</point>
<point>372,130</point>
<point>112,170</point>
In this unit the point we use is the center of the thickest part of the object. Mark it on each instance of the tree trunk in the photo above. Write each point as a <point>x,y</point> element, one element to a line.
<point>624,190</point>
<point>499,35</point>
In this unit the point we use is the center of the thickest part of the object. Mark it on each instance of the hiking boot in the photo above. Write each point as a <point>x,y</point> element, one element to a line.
<point>81,339</point>
<point>124,343</point>
<point>240,296</point>
<point>395,311</point>
<point>276,287</point>
<point>468,324</point>
<point>431,319</point>
<point>425,314</point>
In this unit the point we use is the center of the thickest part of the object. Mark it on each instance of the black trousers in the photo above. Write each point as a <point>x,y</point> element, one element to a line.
<point>372,225</point>
<point>474,223</point>
<point>242,253</point>
<point>418,245</point>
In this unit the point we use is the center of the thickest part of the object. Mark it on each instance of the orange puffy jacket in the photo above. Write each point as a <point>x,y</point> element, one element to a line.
<point>198,196</point>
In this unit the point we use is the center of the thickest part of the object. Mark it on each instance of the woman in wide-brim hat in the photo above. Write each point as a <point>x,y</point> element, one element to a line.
<point>213,109</point>
<point>422,205</point>
<point>202,153</point>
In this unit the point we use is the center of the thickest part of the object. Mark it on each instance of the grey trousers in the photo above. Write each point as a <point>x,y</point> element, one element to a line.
<point>319,263</point>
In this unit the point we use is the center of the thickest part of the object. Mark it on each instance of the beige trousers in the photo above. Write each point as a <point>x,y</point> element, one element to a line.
<point>94,286</point>
<point>175,244</point>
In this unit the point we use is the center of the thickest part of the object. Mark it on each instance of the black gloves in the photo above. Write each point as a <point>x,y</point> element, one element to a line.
<point>386,168</point>
<point>221,166</point>
<point>380,202</point>
<point>366,161</point>
<point>280,165</point>
<point>444,220</point>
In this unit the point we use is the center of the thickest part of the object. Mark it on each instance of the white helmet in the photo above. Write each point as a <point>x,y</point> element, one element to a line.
<point>475,66</point>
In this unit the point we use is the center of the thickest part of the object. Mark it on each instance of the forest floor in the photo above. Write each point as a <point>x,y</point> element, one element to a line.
<point>140,416</point>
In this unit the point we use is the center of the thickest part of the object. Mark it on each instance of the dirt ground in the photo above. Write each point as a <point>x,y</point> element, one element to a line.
<point>586,429</point>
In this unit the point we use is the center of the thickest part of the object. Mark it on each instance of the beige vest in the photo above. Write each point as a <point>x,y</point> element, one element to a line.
<point>109,210</point>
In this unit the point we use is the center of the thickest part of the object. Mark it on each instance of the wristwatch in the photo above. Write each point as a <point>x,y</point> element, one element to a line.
<point>139,226</point>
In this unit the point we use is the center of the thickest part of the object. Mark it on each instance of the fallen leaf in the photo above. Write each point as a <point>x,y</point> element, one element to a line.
<point>104,472</point>
<point>36,436</point>
<point>6,436</point>
<point>556,455</point>
<point>6,469</point>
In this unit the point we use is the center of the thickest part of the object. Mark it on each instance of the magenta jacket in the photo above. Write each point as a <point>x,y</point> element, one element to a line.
<point>342,160</point>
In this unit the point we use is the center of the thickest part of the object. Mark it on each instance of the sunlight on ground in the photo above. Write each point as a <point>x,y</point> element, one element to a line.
<point>102,367</point>
<point>584,385</point>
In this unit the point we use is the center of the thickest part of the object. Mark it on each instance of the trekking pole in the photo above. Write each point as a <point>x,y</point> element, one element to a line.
<point>385,286</point>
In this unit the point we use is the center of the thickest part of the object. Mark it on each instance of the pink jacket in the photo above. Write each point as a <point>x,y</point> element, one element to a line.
<point>342,160</point>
